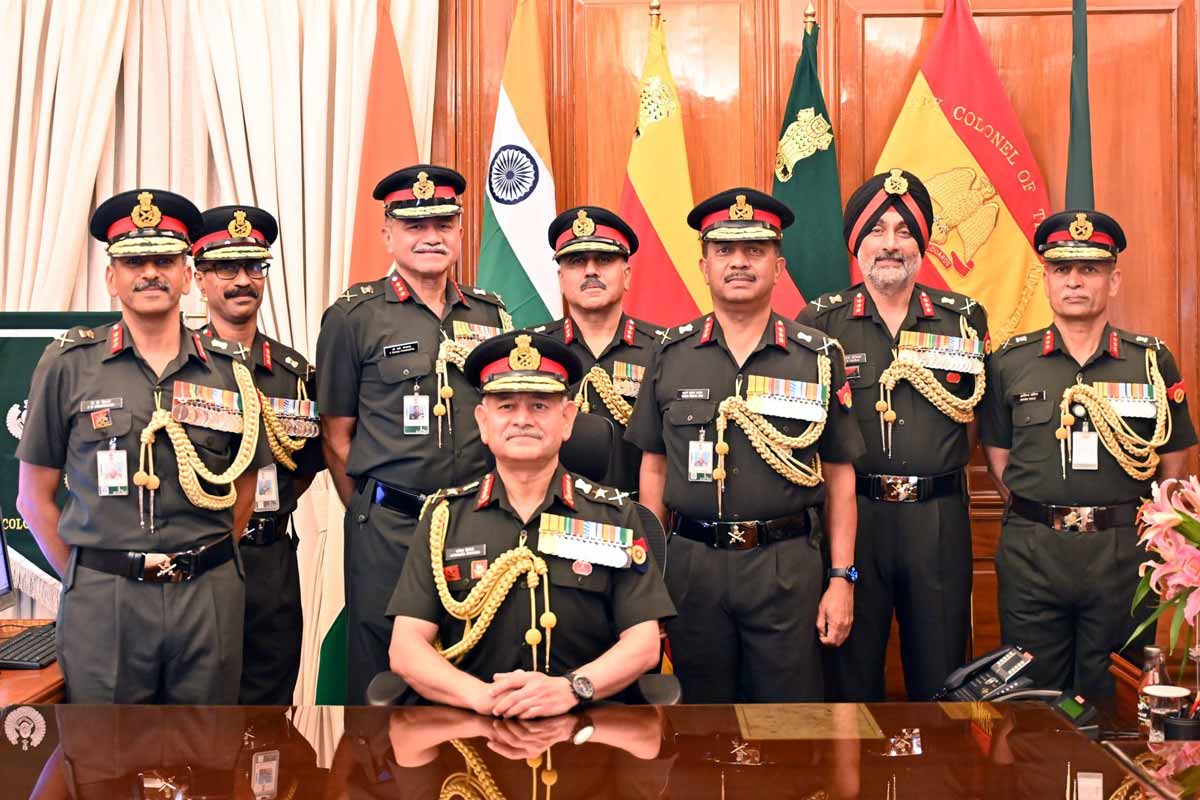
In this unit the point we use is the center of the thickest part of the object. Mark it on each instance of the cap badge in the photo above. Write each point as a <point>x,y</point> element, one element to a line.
<point>423,188</point>
<point>239,227</point>
<point>741,210</point>
<point>524,356</point>
<point>583,224</point>
<point>896,183</point>
<point>1081,229</point>
<point>145,214</point>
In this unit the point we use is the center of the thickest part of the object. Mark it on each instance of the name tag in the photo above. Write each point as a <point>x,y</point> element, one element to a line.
<point>856,358</point>
<point>466,551</point>
<point>693,394</point>
<point>101,404</point>
<point>1028,397</point>
<point>399,349</point>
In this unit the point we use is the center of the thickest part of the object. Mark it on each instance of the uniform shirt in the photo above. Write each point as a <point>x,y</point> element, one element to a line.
<point>277,370</point>
<point>924,440</point>
<point>632,345</point>
<point>75,385</point>
<point>593,604</point>
<point>378,343</point>
<point>687,379</point>
<point>1026,380</point>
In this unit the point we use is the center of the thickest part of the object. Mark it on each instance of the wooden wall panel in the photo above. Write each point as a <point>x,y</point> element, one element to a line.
<point>733,62</point>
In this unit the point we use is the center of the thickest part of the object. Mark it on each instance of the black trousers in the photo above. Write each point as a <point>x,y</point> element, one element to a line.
<point>274,624</point>
<point>377,542</point>
<point>914,561</point>
<point>1066,596</point>
<point>747,624</point>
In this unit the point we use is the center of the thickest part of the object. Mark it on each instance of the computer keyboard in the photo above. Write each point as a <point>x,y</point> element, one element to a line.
<point>32,648</point>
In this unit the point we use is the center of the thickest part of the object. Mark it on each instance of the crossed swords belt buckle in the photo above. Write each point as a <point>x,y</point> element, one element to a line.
<point>899,488</point>
<point>1079,519</point>
<point>169,568</point>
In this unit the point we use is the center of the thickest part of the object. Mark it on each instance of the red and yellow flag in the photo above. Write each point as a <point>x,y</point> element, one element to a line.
<point>389,144</point>
<point>959,134</point>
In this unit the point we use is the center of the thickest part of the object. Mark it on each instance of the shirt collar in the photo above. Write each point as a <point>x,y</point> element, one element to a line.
<point>399,291</point>
<point>920,306</point>
<point>773,335</point>
<point>626,334</point>
<point>190,346</point>
<point>1111,344</point>
<point>561,491</point>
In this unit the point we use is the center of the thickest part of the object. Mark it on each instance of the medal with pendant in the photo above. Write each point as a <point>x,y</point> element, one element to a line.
<point>700,460</point>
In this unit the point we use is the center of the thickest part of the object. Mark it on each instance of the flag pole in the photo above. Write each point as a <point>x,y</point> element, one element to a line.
<point>655,12</point>
<point>810,18</point>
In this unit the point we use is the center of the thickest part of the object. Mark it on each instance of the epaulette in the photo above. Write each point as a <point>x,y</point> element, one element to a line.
<point>953,301</point>
<point>475,293</point>
<point>549,327</point>
<point>831,300</point>
<point>1142,340</point>
<point>680,333</point>
<point>1022,339</point>
<point>215,345</point>
<point>359,293</point>
<point>816,340</point>
<point>448,494</point>
<point>294,362</point>
<point>654,332</point>
<point>79,336</point>
<point>599,493</point>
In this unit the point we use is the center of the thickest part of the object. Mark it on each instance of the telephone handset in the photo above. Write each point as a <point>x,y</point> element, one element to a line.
<point>988,676</point>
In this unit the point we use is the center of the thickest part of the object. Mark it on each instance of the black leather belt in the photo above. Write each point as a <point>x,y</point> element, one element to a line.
<point>741,535</point>
<point>265,531</point>
<point>1076,518</point>
<point>404,501</point>
<point>159,567</point>
<point>909,488</point>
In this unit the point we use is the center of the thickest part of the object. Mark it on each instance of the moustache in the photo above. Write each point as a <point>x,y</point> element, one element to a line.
<point>885,255</point>
<point>749,277</point>
<point>151,284</point>
<point>241,291</point>
<point>438,249</point>
<point>593,283</point>
<point>532,433</point>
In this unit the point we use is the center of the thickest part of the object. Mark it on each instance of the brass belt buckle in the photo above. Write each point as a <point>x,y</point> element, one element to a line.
<point>899,488</point>
<point>1080,519</point>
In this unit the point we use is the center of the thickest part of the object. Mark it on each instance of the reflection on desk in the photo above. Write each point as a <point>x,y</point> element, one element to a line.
<point>975,751</point>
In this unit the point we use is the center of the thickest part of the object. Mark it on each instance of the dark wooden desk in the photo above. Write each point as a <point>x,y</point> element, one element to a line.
<point>28,686</point>
<point>1021,750</point>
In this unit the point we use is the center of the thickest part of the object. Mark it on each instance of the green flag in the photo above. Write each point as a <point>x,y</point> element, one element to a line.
<point>1080,191</point>
<point>806,179</point>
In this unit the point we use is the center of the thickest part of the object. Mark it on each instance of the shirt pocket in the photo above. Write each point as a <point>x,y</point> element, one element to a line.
<point>562,574</point>
<point>210,442</point>
<point>691,412</point>
<point>121,423</point>
<point>405,367</point>
<point>1033,412</point>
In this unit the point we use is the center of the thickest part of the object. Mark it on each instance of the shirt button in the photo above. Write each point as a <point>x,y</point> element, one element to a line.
<point>690,417</point>
<point>899,422</point>
<point>362,517</point>
<point>735,470</point>
<point>405,372</point>
<point>1027,418</point>
<point>1079,377</point>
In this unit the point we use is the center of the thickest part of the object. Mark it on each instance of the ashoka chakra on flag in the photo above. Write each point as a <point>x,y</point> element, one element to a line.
<point>512,175</point>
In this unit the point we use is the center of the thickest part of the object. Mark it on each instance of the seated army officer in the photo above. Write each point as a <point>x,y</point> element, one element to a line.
<point>530,590</point>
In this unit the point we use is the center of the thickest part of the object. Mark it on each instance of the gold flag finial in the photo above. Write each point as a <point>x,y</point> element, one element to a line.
<point>810,18</point>
<point>655,11</point>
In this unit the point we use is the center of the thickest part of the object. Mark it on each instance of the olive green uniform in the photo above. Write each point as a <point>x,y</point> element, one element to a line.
<point>1065,594</point>
<point>913,558</point>
<point>122,640</point>
<point>274,618</point>
<point>625,356</point>
<point>746,629</point>
<point>594,603</point>
<point>378,344</point>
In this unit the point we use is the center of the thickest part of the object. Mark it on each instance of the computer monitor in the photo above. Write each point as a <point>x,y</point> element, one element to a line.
<point>8,597</point>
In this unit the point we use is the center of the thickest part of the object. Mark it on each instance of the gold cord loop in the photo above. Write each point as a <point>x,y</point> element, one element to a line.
<point>599,379</point>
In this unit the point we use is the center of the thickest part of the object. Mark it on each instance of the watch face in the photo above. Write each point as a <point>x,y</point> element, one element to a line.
<point>852,573</point>
<point>582,687</point>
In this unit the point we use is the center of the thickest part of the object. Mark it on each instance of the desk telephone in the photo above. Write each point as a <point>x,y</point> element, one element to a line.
<point>988,677</point>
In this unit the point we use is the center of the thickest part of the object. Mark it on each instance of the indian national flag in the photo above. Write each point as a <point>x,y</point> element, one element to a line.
<point>959,134</point>
<point>515,259</point>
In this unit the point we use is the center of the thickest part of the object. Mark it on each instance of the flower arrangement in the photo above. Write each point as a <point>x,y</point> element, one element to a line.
<point>1170,530</point>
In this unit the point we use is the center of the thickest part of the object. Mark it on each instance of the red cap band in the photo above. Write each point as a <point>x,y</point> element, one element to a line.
<point>602,231</point>
<point>881,197</point>
<point>125,225</point>
<point>723,216</point>
<point>439,193</point>
<point>502,365</point>
<point>1097,237</point>
<point>221,236</point>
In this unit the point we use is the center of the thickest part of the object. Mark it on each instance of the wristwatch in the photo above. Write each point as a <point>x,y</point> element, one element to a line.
<point>581,687</point>
<point>849,573</point>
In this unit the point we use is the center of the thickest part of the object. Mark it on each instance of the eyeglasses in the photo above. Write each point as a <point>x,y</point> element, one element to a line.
<point>255,271</point>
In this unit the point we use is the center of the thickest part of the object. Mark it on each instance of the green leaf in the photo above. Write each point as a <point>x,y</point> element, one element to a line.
<point>1146,623</point>
<point>1142,590</point>
<point>1190,528</point>
<point>1177,620</point>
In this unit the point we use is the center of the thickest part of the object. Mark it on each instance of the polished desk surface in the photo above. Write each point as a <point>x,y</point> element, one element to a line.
<point>28,685</point>
<point>1018,750</point>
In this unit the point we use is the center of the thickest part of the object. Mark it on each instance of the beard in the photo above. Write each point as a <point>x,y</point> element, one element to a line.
<point>889,277</point>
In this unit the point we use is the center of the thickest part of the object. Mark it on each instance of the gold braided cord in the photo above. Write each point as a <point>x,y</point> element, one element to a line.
<point>476,783</point>
<point>506,320</point>
<point>480,606</point>
<point>771,444</point>
<point>449,352</point>
<point>282,446</point>
<point>617,405</point>
<point>1137,456</point>
<point>190,467</point>
<point>959,409</point>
